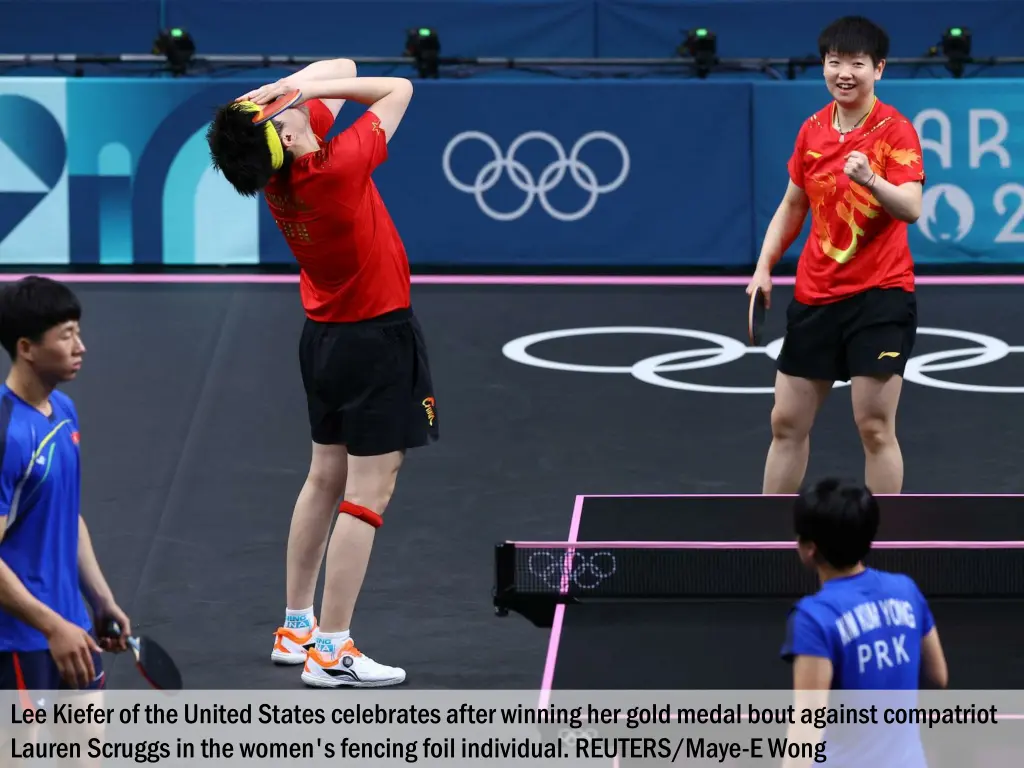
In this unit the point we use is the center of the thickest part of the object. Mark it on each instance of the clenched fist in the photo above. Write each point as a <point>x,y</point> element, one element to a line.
<point>858,168</point>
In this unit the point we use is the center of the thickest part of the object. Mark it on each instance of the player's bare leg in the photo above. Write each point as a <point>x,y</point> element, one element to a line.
<point>797,402</point>
<point>875,401</point>
<point>314,512</point>
<point>311,520</point>
<point>370,485</point>
<point>335,661</point>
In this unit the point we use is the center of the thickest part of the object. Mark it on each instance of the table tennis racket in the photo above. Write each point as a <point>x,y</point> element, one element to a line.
<point>276,107</point>
<point>755,317</point>
<point>155,664</point>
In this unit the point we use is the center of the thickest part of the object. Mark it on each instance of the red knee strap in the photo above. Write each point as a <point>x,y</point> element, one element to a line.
<point>368,516</point>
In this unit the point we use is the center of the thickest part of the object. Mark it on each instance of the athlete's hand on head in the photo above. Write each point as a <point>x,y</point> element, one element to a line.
<point>72,648</point>
<point>267,93</point>
<point>762,279</point>
<point>858,168</point>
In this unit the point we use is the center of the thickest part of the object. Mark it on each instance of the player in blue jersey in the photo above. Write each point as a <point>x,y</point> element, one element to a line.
<point>864,630</point>
<point>47,561</point>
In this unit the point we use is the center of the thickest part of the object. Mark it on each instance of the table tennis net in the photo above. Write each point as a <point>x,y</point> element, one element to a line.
<point>567,572</point>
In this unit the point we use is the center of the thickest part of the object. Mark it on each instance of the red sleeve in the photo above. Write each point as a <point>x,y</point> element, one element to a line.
<point>903,160</point>
<point>356,152</point>
<point>796,160</point>
<point>320,118</point>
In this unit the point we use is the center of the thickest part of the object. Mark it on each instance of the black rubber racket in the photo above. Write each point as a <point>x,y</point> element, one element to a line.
<point>755,317</point>
<point>155,664</point>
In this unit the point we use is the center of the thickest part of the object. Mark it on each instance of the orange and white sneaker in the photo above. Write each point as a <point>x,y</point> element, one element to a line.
<point>347,667</point>
<point>290,645</point>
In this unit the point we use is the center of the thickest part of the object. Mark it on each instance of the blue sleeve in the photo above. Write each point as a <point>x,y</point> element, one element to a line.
<point>804,637</point>
<point>13,463</point>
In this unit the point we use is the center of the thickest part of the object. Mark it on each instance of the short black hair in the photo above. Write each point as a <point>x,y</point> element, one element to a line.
<point>839,517</point>
<point>238,149</point>
<point>853,36</point>
<point>32,306</point>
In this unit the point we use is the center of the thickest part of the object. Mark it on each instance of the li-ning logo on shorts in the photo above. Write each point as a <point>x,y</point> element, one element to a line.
<point>428,405</point>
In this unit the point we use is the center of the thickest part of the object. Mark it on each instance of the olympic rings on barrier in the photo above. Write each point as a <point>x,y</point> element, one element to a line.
<point>722,350</point>
<point>536,188</point>
<point>585,570</point>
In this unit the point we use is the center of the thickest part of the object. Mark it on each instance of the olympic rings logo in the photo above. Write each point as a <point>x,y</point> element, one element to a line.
<point>536,188</point>
<point>585,570</point>
<point>724,350</point>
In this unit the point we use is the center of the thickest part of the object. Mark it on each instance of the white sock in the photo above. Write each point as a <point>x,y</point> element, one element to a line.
<point>299,619</point>
<point>328,643</point>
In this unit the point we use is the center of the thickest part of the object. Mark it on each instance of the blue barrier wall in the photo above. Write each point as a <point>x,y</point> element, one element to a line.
<point>545,28</point>
<point>656,173</point>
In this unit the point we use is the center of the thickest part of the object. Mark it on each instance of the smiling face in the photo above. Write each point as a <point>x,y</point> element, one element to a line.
<point>851,78</point>
<point>853,53</point>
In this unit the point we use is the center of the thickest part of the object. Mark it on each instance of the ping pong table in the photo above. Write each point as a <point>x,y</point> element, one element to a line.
<point>685,593</point>
<point>699,588</point>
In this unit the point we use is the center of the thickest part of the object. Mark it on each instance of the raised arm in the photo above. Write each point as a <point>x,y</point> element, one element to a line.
<point>901,190</point>
<point>387,97</point>
<point>328,69</point>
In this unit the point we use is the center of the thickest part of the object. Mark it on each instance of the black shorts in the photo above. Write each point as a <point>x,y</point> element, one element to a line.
<point>368,384</point>
<point>870,334</point>
<point>36,671</point>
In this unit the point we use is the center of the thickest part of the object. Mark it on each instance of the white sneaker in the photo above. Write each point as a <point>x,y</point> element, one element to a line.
<point>347,668</point>
<point>290,645</point>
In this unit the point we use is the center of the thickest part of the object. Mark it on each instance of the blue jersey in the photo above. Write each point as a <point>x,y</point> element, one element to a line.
<point>870,626</point>
<point>40,483</point>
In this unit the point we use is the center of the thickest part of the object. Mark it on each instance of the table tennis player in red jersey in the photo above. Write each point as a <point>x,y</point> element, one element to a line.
<point>857,167</point>
<point>362,353</point>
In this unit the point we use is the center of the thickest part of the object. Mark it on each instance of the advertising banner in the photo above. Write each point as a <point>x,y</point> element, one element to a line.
<point>655,173</point>
<point>112,171</point>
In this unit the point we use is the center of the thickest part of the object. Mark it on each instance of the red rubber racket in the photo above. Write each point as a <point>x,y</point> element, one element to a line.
<point>755,317</point>
<point>276,107</point>
<point>155,664</point>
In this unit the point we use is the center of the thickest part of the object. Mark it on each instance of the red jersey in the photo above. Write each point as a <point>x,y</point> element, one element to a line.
<point>854,244</point>
<point>353,265</point>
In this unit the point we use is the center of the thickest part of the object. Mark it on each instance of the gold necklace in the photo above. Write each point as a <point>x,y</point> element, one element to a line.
<point>839,125</point>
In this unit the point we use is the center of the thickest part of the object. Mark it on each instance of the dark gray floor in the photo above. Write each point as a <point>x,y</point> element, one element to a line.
<point>195,444</point>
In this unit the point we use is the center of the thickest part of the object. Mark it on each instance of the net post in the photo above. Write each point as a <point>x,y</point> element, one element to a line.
<point>504,577</point>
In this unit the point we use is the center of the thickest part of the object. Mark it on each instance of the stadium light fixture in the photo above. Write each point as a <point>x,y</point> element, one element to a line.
<point>956,47</point>
<point>424,45</point>
<point>701,45</point>
<point>177,46</point>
